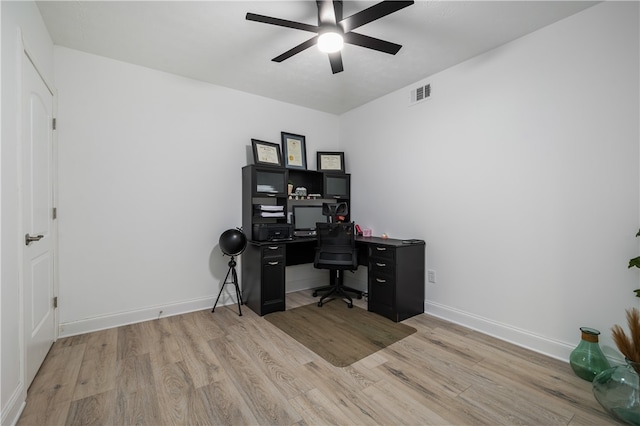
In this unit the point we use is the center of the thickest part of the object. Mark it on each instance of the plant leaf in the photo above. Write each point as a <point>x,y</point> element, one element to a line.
<point>634,262</point>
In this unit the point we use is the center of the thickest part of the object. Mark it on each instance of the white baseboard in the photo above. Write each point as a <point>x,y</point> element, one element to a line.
<point>520,337</point>
<point>508,333</point>
<point>145,314</point>
<point>294,282</point>
<point>12,410</point>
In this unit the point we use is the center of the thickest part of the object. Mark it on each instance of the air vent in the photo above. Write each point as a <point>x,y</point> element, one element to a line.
<point>420,94</point>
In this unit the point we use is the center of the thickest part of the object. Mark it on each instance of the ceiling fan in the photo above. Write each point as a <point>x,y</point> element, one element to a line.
<point>333,28</point>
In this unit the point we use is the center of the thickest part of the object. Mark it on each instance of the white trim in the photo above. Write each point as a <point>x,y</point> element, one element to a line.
<point>34,62</point>
<point>508,333</point>
<point>103,322</point>
<point>19,207</point>
<point>54,222</point>
<point>15,405</point>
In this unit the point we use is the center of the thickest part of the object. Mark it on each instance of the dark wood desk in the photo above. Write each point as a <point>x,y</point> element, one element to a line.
<point>395,284</point>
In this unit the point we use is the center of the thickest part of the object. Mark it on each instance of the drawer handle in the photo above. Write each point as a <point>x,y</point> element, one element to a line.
<point>380,280</point>
<point>273,263</point>
<point>381,264</point>
<point>381,248</point>
<point>273,247</point>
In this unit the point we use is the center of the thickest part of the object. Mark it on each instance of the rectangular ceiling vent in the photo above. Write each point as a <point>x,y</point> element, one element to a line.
<point>420,94</point>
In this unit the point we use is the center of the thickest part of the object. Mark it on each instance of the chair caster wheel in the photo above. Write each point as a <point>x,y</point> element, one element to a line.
<point>320,304</point>
<point>359,296</point>
<point>350,305</point>
<point>314,294</point>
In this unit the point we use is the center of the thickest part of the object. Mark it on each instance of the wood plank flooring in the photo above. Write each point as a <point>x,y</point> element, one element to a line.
<point>219,368</point>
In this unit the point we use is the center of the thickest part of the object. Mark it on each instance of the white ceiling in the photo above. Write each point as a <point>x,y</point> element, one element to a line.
<point>211,41</point>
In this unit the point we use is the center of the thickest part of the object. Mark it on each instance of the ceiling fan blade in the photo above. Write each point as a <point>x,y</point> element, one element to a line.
<point>299,48</point>
<point>335,59</point>
<point>372,13</point>
<point>372,43</point>
<point>337,7</point>
<point>282,22</point>
<point>329,12</point>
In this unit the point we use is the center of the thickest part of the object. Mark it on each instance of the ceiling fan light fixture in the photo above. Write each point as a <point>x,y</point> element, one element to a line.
<point>330,42</point>
<point>334,30</point>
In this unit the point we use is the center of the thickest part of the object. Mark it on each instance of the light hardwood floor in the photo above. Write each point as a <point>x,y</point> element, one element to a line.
<point>220,368</point>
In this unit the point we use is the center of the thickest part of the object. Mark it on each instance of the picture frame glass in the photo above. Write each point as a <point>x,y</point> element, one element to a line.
<point>266,153</point>
<point>331,161</point>
<point>294,151</point>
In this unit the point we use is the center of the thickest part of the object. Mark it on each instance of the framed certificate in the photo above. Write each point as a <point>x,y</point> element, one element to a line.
<point>266,153</point>
<point>294,151</point>
<point>330,161</point>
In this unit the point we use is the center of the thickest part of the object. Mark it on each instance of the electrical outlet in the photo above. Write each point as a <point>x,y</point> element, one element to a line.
<point>431,276</point>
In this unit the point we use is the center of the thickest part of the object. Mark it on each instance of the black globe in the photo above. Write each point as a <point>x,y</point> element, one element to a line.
<point>232,242</point>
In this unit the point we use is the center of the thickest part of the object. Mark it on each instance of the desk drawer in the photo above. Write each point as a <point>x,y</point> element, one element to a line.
<point>273,250</point>
<point>382,290</point>
<point>379,252</point>
<point>382,267</point>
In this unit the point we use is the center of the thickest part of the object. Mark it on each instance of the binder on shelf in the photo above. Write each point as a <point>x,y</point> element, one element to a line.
<point>270,208</point>
<point>272,214</point>
<point>266,188</point>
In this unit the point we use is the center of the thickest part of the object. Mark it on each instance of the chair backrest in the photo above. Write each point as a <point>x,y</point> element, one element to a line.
<point>336,246</point>
<point>333,210</point>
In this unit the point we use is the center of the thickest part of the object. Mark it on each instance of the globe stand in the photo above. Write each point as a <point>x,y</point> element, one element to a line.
<point>234,281</point>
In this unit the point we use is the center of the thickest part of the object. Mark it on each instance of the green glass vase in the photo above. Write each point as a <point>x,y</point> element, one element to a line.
<point>587,359</point>
<point>618,391</point>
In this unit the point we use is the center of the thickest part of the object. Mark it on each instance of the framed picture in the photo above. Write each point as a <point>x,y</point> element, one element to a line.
<point>330,161</point>
<point>266,153</point>
<point>294,151</point>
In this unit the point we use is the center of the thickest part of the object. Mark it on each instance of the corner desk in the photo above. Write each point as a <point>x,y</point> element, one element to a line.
<point>395,270</point>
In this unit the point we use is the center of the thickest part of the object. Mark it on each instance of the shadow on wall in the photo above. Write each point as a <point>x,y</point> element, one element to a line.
<point>234,242</point>
<point>218,263</point>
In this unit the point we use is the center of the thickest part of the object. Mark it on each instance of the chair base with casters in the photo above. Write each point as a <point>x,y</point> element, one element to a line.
<point>331,288</point>
<point>337,290</point>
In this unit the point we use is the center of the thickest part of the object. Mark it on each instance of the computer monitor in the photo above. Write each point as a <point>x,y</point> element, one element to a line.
<point>306,217</point>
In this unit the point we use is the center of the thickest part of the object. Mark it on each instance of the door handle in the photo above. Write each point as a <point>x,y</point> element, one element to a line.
<point>28,239</point>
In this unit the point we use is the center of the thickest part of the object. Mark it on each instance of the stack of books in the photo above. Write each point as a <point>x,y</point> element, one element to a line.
<point>270,211</point>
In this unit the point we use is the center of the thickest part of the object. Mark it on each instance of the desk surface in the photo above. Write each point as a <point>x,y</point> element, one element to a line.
<point>359,240</point>
<point>301,250</point>
<point>389,241</point>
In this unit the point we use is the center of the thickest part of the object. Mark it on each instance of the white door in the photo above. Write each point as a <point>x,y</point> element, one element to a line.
<point>37,210</point>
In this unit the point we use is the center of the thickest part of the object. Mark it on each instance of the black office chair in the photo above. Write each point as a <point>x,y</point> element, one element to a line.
<point>337,252</point>
<point>336,212</point>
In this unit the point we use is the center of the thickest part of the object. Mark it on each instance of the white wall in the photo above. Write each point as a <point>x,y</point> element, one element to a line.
<point>150,176</point>
<point>521,173</point>
<point>20,21</point>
